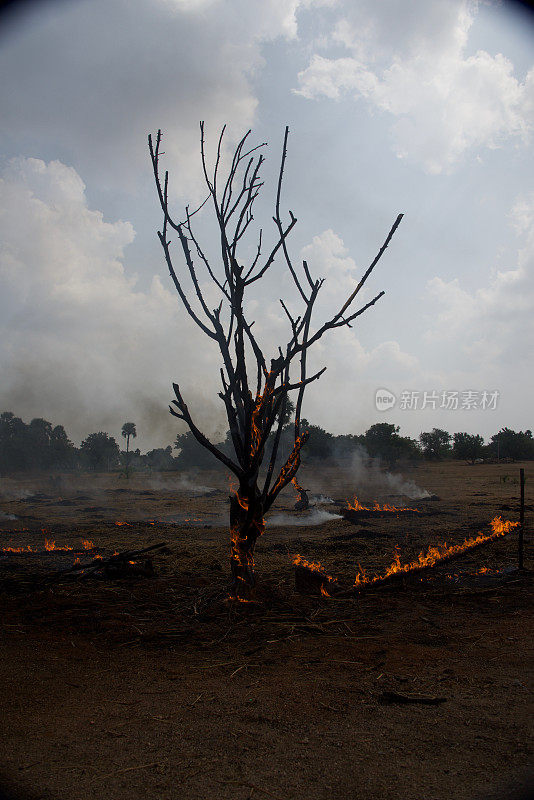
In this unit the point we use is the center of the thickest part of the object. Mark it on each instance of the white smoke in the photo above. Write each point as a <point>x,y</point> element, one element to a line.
<point>180,483</point>
<point>370,480</point>
<point>316,516</point>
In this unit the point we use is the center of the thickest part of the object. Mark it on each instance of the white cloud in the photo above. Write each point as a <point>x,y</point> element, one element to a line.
<point>98,76</point>
<point>79,344</point>
<point>344,399</point>
<point>444,103</point>
<point>328,258</point>
<point>489,328</point>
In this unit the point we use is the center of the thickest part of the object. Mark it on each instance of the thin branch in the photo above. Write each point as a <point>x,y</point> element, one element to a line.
<point>372,266</point>
<point>165,244</point>
<point>184,414</point>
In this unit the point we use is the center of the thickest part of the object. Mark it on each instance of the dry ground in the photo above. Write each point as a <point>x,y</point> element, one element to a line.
<point>161,688</point>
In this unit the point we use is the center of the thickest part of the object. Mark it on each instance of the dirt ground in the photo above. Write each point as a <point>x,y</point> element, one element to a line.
<point>160,687</point>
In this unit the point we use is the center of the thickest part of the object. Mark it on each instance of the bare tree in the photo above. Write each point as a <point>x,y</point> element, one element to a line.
<point>253,390</point>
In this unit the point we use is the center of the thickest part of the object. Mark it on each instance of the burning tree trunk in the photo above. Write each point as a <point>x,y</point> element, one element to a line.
<point>254,393</point>
<point>303,502</point>
<point>246,525</point>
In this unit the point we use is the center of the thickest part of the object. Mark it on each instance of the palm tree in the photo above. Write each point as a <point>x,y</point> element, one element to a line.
<point>128,429</point>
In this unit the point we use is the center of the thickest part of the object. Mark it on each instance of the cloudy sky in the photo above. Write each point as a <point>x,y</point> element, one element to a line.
<point>423,107</point>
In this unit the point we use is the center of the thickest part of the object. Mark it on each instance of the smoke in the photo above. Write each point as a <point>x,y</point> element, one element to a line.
<point>10,491</point>
<point>372,481</point>
<point>181,483</point>
<point>357,473</point>
<point>316,516</point>
<point>321,499</point>
<point>80,343</point>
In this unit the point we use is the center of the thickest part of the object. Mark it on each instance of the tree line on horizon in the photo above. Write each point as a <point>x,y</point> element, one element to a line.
<point>40,446</point>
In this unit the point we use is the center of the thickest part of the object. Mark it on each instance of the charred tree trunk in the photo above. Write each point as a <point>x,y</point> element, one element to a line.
<point>246,526</point>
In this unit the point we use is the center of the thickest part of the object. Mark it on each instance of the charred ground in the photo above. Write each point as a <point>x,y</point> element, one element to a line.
<point>142,685</point>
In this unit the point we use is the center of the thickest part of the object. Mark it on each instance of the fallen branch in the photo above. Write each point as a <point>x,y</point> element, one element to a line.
<point>402,697</point>
<point>107,566</point>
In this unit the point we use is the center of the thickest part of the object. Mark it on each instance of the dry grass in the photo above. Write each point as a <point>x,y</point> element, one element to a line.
<point>136,687</point>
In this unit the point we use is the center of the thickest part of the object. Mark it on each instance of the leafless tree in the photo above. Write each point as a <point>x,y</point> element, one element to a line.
<point>254,390</point>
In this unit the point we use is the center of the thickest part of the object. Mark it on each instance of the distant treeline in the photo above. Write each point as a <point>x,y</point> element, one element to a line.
<point>38,445</point>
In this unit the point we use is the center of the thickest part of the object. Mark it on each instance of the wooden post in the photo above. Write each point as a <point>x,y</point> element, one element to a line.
<point>521,516</point>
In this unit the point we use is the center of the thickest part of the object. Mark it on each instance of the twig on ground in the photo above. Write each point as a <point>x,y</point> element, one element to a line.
<point>130,769</point>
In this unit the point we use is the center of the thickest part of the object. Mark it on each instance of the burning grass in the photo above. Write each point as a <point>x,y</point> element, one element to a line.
<point>434,556</point>
<point>49,547</point>
<point>355,505</point>
<point>311,577</point>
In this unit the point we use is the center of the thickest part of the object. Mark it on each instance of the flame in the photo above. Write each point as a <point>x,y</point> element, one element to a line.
<point>261,401</point>
<point>437,554</point>
<point>314,566</point>
<point>357,506</point>
<point>240,556</point>
<point>292,464</point>
<point>296,484</point>
<point>234,599</point>
<point>120,522</point>
<point>51,545</point>
<point>237,552</point>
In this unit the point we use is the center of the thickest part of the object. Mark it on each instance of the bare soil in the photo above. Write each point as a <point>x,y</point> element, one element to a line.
<point>161,687</point>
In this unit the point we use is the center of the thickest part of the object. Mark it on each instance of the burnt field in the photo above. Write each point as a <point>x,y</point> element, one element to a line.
<point>147,681</point>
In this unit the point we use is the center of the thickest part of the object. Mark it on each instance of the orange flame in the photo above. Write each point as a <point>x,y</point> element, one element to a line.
<point>487,571</point>
<point>237,552</point>
<point>296,484</point>
<point>314,566</point>
<point>435,555</point>
<point>87,545</point>
<point>292,464</point>
<point>51,545</point>
<point>357,506</point>
<point>119,523</point>
<point>256,431</point>
<point>239,555</point>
